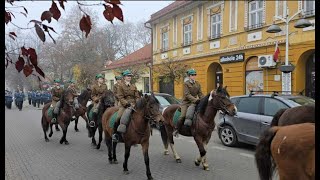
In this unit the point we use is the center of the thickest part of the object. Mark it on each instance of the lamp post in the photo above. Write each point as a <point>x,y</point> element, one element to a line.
<point>287,68</point>
<point>149,64</point>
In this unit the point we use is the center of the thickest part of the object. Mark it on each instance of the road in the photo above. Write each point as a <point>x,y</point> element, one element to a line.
<point>28,156</point>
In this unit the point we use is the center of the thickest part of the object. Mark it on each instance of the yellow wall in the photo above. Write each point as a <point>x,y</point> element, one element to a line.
<point>300,47</point>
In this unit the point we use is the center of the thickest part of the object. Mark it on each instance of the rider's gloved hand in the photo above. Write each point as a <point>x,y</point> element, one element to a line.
<point>127,105</point>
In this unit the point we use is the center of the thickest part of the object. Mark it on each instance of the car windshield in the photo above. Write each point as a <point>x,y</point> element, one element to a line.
<point>167,100</point>
<point>302,100</point>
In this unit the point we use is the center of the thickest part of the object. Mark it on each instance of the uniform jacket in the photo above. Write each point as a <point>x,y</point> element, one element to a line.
<point>192,92</point>
<point>19,96</point>
<point>115,90</point>
<point>56,93</point>
<point>127,94</point>
<point>98,91</point>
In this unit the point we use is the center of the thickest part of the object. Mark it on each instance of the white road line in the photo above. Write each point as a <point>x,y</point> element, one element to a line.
<point>192,141</point>
<point>247,155</point>
<point>219,148</point>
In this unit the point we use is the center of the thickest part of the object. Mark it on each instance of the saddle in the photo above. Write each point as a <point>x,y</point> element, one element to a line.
<point>177,114</point>
<point>125,118</point>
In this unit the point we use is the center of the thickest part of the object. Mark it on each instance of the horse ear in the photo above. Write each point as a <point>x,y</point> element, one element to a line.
<point>225,87</point>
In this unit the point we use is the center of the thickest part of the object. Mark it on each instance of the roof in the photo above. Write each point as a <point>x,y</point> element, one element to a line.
<point>140,56</point>
<point>171,7</point>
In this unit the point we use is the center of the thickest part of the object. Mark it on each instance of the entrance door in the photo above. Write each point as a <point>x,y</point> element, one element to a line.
<point>166,87</point>
<point>219,76</point>
<point>310,77</point>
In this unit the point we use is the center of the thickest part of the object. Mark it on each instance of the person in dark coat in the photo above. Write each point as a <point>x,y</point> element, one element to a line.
<point>19,98</point>
<point>38,98</point>
<point>29,97</point>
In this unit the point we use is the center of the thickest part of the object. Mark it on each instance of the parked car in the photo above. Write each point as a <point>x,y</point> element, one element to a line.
<point>255,113</point>
<point>165,100</point>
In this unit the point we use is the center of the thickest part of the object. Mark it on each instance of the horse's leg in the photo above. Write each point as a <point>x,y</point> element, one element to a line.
<point>66,142</point>
<point>170,138</point>
<point>93,139</point>
<point>45,127</point>
<point>145,147</point>
<point>109,145</point>
<point>202,150</point>
<point>76,124</point>
<point>51,132</point>
<point>164,137</point>
<point>100,136</point>
<point>64,130</point>
<point>57,127</point>
<point>114,152</point>
<point>126,157</point>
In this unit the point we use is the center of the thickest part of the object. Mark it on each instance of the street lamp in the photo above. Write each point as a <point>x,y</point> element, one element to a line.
<point>287,69</point>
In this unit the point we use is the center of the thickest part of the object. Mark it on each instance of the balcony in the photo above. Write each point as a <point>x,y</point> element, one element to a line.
<point>308,13</point>
<point>254,26</point>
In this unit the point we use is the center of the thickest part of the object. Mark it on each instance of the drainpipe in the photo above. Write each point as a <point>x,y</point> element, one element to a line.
<point>151,65</point>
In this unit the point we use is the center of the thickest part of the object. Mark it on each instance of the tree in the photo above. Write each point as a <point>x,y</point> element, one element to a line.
<point>171,70</point>
<point>136,70</point>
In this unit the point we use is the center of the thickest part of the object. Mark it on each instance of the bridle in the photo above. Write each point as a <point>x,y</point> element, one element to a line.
<point>221,105</point>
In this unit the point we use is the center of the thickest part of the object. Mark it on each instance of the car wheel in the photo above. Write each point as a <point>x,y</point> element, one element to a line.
<point>228,136</point>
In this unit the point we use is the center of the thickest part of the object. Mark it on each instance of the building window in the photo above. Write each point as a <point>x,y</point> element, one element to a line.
<point>111,85</point>
<point>215,26</point>
<point>309,7</point>
<point>187,34</point>
<point>165,41</point>
<point>233,15</point>
<point>281,8</point>
<point>255,14</point>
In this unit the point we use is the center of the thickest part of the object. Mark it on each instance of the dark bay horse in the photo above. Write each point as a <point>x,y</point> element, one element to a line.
<point>83,99</point>
<point>295,115</point>
<point>202,127</point>
<point>107,101</point>
<point>64,117</point>
<point>138,130</point>
<point>290,149</point>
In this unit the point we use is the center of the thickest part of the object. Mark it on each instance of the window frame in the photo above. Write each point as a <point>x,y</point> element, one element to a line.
<point>187,33</point>
<point>218,35</point>
<point>263,105</point>
<point>310,12</point>
<point>165,41</point>
<point>235,3</point>
<point>251,26</point>
<point>284,8</point>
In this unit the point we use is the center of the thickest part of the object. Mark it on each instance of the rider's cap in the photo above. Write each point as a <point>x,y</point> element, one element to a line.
<point>57,80</point>
<point>191,72</point>
<point>118,77</point>
<point>99,76</point>
<point>127,73</point>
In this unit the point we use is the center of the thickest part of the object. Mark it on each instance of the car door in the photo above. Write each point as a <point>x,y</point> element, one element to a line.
<point>247,121</point>
<point>270,106</point>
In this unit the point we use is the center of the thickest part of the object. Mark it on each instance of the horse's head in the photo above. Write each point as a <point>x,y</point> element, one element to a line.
<point>220,99</point>
<point>152,106</point>
<point>68,97</point>
<point>108,99</point>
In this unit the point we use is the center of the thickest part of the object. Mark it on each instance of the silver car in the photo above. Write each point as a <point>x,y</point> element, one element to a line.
<point>255,113</point>
<point>165,100</point>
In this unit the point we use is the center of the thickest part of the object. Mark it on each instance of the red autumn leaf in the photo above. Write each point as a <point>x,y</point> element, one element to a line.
<point>117,12</point>
<point>12,37</point>
<point>27,70</point>
<point>113,1</point>
<point>39,71</point>
<point>24,51</point>
<point>108,13</point>
<point>40,33</point>
<point>52,38</point>
<point>20,64</point>
<point>46,15</point>
<point>7,17</point>
<point>55,11</point>
<point>61,3</point>
<point>85,24</point>
<point>35,21</point>
<point>33,56</point>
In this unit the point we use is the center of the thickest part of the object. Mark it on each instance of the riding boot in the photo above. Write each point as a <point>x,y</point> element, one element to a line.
<point>115,134</point>
<point>179,124</point>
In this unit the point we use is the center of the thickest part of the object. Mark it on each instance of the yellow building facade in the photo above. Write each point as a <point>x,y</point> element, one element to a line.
<point>224,42</point>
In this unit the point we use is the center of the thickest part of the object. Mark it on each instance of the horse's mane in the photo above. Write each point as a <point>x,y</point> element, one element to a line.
<point>141,103</point>
<point>62,100</point>
<point>201,107</point>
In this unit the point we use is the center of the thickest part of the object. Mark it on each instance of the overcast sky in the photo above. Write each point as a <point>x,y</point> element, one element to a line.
<point>133,11</point>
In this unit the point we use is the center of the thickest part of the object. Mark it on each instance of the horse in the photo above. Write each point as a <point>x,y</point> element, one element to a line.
<point>203,123</point>
<point>146,111</point>
<point>295,115</point>
<point>83,99</point>
<point>290,149</point>
<point>63,118</point>
<point>107,101</point>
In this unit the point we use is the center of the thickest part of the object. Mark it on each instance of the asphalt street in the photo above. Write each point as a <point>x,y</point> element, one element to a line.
<point>28,156</point>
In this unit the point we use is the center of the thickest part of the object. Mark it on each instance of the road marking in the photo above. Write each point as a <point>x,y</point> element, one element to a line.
<point>219,148</point>
<point>192,141</point>
<point>247,155</point>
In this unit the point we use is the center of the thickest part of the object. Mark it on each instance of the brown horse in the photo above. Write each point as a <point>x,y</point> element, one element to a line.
<point>295,115</point>
<point>83,100</point>
<point>138,130</point>
<point>63,118</point>
<point>202,125</point>
<point>290,149</point>
<point>107,101</point>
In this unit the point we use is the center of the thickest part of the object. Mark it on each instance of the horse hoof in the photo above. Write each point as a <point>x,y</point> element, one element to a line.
<point>115,162</point>
<point>150,178</point>
<point>166,152</point>
<point>197,163</point>
<point>77,130</point>
<point>47,140</point>
<point>178,160</point>
<point>98,146</point>
<point>93,144</point>
<point>61,141</point>
<point>126,172</point>
<point>66,143</point>
<point>50,135</point>
<point>206,168</point>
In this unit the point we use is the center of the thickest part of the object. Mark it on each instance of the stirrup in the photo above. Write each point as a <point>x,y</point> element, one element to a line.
<point>91,123</point>
<point>176,133</point>
<point>115,137</point>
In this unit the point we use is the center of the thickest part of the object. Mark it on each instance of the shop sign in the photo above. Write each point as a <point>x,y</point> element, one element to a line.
<point>232,58</point>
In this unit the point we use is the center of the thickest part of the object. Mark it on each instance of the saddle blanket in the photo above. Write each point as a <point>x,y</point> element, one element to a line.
<point>50,112</point>
<point>113,119</point>
<point>176,117</point>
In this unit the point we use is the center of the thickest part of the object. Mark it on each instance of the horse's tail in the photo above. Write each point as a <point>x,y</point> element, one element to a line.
<point>264,161</point>
<point>45,125</point>
<point>276,117</point>
<point>164,135</point>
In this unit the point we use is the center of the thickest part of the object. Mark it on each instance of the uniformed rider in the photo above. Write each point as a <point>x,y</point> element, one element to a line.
<point>128,95</point>
<point>116,87</point>
<point>72,88</point>
<point>56,92</point>
<point>98,89</point>
<point>191,97</point>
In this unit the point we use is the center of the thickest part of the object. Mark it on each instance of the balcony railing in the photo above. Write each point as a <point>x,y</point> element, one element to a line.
<point>309,13</point>
<point>254,26</point>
